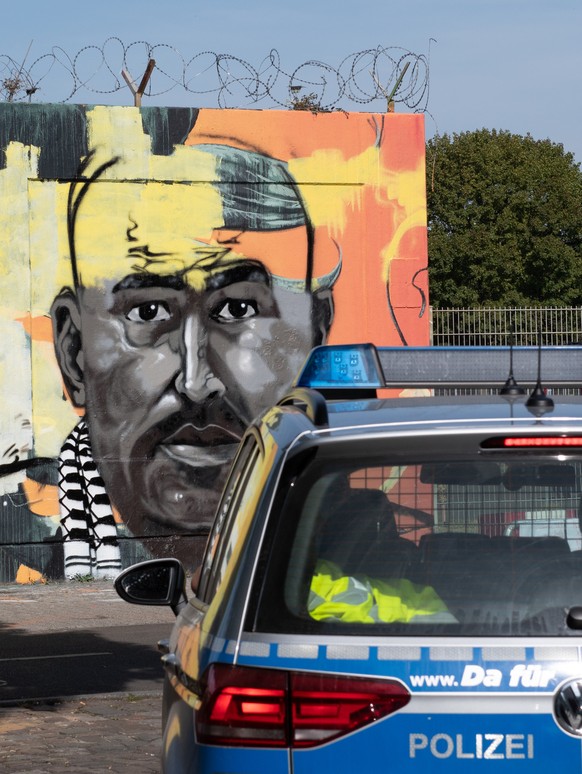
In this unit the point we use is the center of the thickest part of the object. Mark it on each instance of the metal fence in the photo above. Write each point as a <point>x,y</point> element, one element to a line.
<point>492,327</point>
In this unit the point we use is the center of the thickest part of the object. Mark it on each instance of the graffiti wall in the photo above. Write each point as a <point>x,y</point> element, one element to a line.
<point>164,273</point>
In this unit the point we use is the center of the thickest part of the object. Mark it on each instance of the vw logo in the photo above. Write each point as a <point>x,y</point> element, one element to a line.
<point>568,707</point>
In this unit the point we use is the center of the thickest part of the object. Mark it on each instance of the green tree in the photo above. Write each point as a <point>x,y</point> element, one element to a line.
<point>505,221</point>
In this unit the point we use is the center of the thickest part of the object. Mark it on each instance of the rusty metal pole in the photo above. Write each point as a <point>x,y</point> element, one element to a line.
<point>138,92</point>
<point>144,81</point>
<point>390,98</point>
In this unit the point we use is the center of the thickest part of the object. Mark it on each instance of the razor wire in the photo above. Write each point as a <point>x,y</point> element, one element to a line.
<point>381,74</point>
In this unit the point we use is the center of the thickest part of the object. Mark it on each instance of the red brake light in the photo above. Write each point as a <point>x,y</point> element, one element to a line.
<point>244,706</point>
<point>325,707</point>
<point>533,442</point>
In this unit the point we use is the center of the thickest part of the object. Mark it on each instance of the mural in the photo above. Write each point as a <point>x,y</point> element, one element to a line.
<point>164,274</point>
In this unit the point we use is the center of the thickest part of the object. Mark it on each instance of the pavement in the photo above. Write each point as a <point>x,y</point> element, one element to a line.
<point>114,732</point>
<point>65,605</point>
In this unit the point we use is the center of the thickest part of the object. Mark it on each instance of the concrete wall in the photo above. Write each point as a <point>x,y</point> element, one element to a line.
<point>163,274</point>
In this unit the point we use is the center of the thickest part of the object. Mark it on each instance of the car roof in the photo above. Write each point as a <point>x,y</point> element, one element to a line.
<point>426,417</point>
<point>469,410</point>
<point>337,388</point>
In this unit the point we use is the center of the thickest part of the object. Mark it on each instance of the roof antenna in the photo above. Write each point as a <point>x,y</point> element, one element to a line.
<point>511,388</point>
<point>538,402</point>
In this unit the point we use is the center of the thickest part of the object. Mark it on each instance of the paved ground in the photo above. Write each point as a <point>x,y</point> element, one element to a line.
<point>118,732</point>
<point>72,605</point>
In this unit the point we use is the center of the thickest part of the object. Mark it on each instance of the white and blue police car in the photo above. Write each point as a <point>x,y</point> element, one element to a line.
<point>390,584</point>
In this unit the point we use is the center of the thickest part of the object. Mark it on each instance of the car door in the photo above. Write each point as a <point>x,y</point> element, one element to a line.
<point>206,632</point>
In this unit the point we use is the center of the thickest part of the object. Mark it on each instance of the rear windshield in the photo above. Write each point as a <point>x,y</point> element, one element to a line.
<point>462,546</point>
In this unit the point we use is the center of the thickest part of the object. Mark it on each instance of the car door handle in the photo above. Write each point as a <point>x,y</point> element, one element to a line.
<point>172,664</point>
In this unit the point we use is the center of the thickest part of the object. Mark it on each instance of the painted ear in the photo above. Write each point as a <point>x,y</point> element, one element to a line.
<point>66,320</point>
<point>322,315</point>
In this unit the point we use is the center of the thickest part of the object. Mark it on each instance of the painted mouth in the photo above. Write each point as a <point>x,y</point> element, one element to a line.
<point>200,447</point>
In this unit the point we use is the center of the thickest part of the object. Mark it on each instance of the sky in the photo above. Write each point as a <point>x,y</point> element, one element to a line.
<point>514,65</point>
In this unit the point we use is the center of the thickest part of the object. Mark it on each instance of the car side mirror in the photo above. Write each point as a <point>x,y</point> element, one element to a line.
<point>155,582</point>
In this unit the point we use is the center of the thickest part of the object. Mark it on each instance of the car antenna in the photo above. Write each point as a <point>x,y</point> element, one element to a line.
<point>538,402</point>
<point>511,388</point>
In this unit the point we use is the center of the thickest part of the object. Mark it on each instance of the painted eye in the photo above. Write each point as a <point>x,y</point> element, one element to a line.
<point>150,311</point>
<point>235,309</point>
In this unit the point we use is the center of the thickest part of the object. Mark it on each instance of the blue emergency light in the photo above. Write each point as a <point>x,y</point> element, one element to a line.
<point>342,367</point>
<point>366,367</point>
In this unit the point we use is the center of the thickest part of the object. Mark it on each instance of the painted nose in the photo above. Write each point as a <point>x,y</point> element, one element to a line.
<point>196,379</point>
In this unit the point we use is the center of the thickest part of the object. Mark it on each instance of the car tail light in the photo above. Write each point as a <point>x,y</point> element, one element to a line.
<point>272,708</point>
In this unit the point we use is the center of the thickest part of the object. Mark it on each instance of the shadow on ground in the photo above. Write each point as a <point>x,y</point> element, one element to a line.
<point>53,665</point>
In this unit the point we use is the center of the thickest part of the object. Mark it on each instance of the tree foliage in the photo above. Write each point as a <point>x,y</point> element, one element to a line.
<point>505,221</point>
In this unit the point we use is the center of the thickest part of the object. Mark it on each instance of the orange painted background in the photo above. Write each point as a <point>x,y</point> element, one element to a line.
<point>384,237</point>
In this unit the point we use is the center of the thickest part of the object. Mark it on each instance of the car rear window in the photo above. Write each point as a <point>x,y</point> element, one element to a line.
<point>488,546</point>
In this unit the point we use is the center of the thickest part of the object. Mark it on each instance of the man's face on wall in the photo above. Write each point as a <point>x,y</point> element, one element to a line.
<point>181,347</point>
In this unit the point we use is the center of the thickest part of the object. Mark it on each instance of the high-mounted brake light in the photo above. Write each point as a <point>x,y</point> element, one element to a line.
<point>534,442</point>
<point>244,706</point>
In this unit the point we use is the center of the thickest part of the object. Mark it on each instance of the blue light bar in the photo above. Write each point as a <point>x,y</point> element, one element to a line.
<point>363,366</point>
<point>342,366</point>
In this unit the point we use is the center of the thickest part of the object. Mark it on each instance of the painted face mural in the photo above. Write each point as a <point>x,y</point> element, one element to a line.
<point>181,328</point>
<point>191,287</point>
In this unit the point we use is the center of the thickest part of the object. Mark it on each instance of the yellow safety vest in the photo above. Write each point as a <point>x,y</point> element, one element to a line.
<point>368,600</point>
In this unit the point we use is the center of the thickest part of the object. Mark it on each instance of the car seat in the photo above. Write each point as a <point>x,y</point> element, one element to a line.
<point>360,536</point>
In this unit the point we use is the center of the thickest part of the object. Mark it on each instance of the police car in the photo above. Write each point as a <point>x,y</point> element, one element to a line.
<point>390,583</point>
